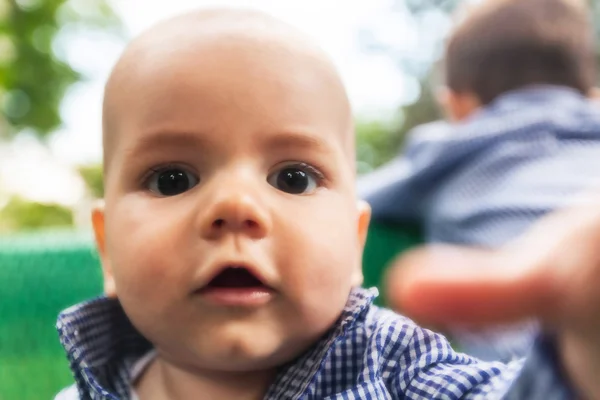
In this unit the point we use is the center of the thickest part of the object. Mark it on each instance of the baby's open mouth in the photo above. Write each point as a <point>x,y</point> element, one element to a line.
<point>235,277</point>
<point>238,287</point>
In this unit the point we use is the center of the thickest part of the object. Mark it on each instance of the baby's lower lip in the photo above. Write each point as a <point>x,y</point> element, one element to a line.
<point>237,296</point>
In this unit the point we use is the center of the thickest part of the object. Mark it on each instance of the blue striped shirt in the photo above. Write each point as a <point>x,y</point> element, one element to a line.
<point>486,180</point>
<point>483,182</point>
<point>370,353</point>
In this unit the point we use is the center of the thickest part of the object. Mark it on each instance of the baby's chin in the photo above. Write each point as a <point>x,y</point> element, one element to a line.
<point>244,355</point>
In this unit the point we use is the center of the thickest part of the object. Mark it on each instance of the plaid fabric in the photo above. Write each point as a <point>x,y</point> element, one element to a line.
<point>485,181</point>
<point>371,353</point>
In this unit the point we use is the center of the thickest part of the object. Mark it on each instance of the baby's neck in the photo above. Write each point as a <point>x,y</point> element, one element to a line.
<point>163,380</point>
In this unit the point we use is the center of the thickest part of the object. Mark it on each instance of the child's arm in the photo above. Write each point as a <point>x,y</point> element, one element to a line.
<point>551,273</point>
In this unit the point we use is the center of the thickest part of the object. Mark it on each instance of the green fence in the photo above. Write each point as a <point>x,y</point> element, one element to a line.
<point>43,273</point>
<point>385,242</point>
<point>40,274</point>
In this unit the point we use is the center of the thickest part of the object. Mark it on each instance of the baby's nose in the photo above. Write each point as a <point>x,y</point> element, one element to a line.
<point>236,211</point>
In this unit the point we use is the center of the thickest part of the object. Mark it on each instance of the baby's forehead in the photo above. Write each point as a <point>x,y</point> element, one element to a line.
<point>182,74</point>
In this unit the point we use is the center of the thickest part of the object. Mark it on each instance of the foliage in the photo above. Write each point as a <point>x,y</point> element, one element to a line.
<point>373,140</point>
<point>377,142</point>
<point>33,79</point>
<point>383,145</point>
<point>23,214</point>
<point>93,176</point>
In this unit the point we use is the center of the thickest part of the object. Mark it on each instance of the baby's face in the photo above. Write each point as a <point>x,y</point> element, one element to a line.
<point>232,231</point>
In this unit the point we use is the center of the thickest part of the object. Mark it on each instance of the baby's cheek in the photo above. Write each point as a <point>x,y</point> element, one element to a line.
<point>144,263</point>
<point>321,278</point>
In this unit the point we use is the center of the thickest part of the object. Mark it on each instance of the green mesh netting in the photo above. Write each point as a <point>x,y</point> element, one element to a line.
<point>385,242</point>
<point>43,273</point>
<point>40,274</point>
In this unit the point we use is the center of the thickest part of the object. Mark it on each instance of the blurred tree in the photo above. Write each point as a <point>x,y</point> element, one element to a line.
<point>92,175</point>
<point>373,140</point>
<point>425,108</point>
<point>21,214</point>
<point>416,62</point>
<point>33,79</point>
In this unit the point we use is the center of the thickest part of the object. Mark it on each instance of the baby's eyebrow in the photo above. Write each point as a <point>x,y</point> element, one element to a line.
<point>279,141</point>
<point>165,138</point>
<point>295,140</point>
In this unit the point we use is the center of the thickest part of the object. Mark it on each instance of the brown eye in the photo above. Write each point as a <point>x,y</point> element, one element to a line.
<point>294,180</point>
<point>171,182</point>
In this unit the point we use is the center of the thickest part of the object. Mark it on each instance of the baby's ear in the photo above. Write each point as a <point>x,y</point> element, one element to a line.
<point>594,94</point>
<point>99,233</point>
<point>457,106</point>
<point>364,218</point>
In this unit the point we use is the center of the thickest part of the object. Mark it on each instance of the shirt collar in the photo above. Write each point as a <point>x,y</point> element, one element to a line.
<point>102,345</point>
<point>537,94</point>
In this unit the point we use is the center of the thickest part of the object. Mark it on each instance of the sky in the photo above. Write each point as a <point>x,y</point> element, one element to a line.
<point>375,84</point>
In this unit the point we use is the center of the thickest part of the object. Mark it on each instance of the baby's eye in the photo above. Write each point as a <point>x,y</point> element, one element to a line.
<point>295,179</point>
<point>171,181</point>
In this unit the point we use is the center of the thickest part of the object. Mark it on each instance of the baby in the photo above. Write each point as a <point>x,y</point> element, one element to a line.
<point>231,237</point>
<point>522,139</point>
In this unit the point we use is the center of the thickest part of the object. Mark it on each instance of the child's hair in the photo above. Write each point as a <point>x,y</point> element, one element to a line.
<point>508,44</point>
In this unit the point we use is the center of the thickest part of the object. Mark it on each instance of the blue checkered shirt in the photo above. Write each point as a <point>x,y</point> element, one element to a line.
<point>371,353</point>
<point>483,182</point>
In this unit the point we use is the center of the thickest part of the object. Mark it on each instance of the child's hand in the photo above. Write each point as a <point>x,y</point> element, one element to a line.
<point>551,273</point>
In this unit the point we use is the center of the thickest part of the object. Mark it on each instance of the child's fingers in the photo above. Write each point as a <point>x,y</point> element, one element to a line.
<point>552,273</point>
<point>453,285</point>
